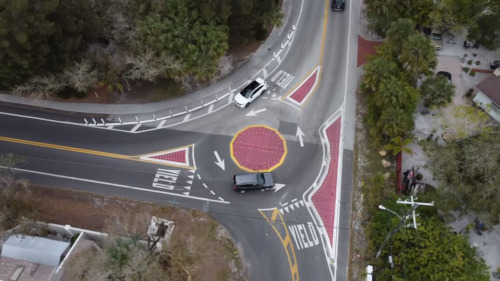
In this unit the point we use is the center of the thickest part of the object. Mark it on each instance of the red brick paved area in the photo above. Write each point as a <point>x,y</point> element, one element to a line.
<point>482,70</point>
<point>176,156</point>
<point>365,48</point>
<point>325,197</point>
<point>258,148</point>
<point>303,90</point>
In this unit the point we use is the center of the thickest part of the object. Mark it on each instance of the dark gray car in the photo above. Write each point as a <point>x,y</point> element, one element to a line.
<point>253,181</point>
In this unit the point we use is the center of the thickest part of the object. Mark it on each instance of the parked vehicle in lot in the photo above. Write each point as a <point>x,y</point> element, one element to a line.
<point>252,91</point>
<point>437,39</point>
<point>338,5</point>
<point>494,64</point>
<point>253,181</point>
<point>445,74</point>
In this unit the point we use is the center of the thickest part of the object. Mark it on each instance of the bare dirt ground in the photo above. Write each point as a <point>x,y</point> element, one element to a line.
<point>216,257</point>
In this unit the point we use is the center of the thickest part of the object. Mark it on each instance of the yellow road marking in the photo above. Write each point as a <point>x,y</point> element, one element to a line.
<point>285,152</point>
<point>320,63</point>
<point>286,242</point>
<point>88,151</point>
<point>325,18</point>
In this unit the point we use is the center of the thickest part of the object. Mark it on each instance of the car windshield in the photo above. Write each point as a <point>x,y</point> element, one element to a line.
<point>247,91</point>
<point>260,178</point>
<point>436,36</point>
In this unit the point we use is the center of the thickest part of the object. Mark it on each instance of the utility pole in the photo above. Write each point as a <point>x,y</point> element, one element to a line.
<point>416,204</point>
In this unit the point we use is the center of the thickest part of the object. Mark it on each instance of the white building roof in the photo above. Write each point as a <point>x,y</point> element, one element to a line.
<point>34,249</point>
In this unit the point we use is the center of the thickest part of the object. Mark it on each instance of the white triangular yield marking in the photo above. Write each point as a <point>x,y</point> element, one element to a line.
<point>291,207</point>
<point>186,193</point>
<point>301,202</point>
<point>296,204</point>
<point>189,182</point>
<point>175,161</point>
<point>278,186</point>
<point>281,211</point>
<point>192,171</point>
<point>191,176</point>
<point>188,187</point>
<point>286,209</point>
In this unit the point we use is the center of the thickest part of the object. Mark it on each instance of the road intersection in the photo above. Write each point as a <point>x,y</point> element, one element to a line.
<point>185,154</point>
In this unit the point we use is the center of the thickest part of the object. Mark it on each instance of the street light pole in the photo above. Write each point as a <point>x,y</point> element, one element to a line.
<point>387,209</point>
<point>414,205</point>
<point>401,223</point>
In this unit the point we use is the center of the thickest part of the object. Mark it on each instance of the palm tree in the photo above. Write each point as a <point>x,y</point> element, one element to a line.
<point>418,55</point>
<point>437,91</point>
<point>395,122</point>
<point>376,70</point>
<point>398,144</point>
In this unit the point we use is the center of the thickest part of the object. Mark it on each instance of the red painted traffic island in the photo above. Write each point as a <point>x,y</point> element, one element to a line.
<point>258,148</point>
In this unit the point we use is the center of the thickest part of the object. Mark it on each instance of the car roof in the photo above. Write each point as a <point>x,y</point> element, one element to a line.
<point>246,178</point>
<point>254,84</point>
<point>444,73</point>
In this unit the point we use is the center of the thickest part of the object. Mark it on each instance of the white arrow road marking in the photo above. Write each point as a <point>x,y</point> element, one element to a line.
<point>300,134</point>
<point>220,162</point>
<point>277,187</point>
<point>255,112</point>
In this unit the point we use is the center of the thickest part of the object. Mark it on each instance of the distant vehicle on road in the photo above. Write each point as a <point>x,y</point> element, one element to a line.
<point>338,5</point>
<point>253,181</point>
<point>252,91</point>
<point>495,64</point>
<point>445,74</point>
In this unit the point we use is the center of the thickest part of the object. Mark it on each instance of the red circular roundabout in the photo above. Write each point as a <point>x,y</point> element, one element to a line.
<point>258,148</point>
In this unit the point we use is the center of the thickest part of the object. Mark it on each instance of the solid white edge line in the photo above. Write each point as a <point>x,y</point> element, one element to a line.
<point>114,184</point>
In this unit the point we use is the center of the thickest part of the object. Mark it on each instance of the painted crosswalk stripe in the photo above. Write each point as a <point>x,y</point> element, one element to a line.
<point>135,128</point>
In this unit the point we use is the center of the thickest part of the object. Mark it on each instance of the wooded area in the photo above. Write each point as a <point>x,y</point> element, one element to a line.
<point>466,164</point>
<point>71,46</point>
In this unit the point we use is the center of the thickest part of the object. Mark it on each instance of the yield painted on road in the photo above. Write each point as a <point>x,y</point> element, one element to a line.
<point>303,91</point>
<point>285,239</point>
<point>304,235</point>
<point>258,148</point>
<point>181,181</point>
<point>176,157</point>
<point>325,198</point>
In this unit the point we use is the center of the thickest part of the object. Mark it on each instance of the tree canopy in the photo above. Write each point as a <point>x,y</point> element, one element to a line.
<point>431,252</point>
<point>122,40</point>
<point>469,169</point>
<point>436,91</point>
<point>481,18</point>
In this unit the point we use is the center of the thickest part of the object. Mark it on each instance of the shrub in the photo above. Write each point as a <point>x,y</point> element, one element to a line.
<point>469,93</point>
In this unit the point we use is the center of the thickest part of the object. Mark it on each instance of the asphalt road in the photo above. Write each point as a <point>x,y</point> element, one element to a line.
<point>276,245</point>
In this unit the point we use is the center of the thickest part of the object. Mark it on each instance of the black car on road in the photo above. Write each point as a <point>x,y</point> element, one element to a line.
<point>338,5</point>
<point>253,181</point>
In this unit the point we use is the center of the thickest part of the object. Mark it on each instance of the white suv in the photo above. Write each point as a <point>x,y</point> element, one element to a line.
<point>253,90</point>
